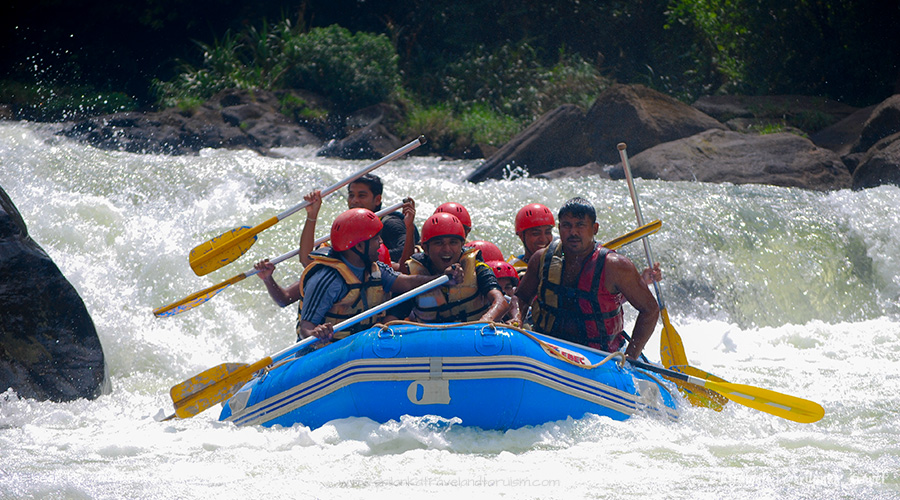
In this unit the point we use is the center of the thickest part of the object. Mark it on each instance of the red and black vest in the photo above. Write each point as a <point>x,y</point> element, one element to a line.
<point>588,314</point>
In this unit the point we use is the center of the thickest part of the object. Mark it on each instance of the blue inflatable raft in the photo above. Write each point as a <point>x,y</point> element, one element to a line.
<point>489,377</point>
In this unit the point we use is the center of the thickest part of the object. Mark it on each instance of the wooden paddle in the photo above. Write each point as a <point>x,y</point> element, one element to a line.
<point>671,350</point>
<point>227,247</point>
<point>195,299</point>
<point>219,382</point>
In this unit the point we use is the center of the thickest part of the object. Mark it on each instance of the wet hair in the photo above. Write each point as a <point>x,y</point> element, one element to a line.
<point>579,208</point>
<point>373,182</point>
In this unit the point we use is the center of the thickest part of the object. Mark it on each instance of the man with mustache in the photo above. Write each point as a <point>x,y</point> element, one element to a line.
<point>576,287</point>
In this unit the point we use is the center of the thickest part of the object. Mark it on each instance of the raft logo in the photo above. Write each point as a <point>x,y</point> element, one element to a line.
<point>570,355</point>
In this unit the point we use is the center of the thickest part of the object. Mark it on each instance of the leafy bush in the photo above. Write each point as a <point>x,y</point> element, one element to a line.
<point>353,71</point>
<point>511,81</point>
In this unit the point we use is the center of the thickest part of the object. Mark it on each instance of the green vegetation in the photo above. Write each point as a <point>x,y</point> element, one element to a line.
<point>353,71</point>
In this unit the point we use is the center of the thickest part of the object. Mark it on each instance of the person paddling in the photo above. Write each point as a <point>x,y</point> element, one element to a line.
<point>366,192</point>
<point>576,287</point>
<point>346,278</point>
<point>477,297</point>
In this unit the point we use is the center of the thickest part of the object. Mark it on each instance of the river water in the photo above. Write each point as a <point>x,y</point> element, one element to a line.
<point>784,289</point>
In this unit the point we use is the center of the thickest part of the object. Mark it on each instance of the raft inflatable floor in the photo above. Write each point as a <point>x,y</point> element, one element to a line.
<point>492,378</point>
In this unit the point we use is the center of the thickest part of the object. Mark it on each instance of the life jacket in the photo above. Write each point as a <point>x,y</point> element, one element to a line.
<point>455,304</point>
<point>361,297</point>
<point>520,265</point>
<point>588,314</point>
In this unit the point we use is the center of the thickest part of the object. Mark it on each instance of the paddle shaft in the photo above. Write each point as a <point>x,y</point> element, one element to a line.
<point>640,218</point>
<point>337,185</point>
<point>194,299</point>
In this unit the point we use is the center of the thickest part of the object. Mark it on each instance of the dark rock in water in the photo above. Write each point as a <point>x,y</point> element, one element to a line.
<point>879,165</point>
<point>369,139</point>
<point>569,137</point>
<point>841,136</point>
<point>591,169</point>
<point>721,156</point>
<point>234,119</point>
<point>49,349</point>
<point>884,122</point>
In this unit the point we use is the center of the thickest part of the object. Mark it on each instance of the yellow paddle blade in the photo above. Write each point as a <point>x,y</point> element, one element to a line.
<point>195,299</point>
<point>225,248</point>
<point>699,396</point>
<point>212,386</point>
<point>671,348</point>
<point>781,405</point>
<point>635,234</point>
<point>221,250</point>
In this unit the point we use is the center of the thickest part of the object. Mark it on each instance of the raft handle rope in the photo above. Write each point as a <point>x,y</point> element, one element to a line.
<point>548,348</point>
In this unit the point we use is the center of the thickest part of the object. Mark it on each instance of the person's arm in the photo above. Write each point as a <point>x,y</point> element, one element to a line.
<point>650,275</point>
<point>406,282</point>
<point>282,296</point>
<point>623,277</point>
<point>527,289</point>
<point>409,243</point>
<point>489,287</point>
<point>324,289</point>
<point>498,307</point>
<point>308,236</point>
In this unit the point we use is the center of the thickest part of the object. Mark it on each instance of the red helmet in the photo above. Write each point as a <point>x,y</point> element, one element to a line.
<point>534,215</point>
<point>489,251</point>
<point>458,210</point>
<point>354,226</point>
<point>503,269</point>
<point>442,224</point>
<point>384,255</point>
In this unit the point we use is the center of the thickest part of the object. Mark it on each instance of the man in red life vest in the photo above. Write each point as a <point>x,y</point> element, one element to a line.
<point>576,287</point>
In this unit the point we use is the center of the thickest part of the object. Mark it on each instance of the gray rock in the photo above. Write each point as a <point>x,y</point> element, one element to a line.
<point>880,165</point>
<point>780,159</point>
<point>234,119</point>
<point>569,137</point>
<point>49,349</point>
<point>369,143</point>
<point>841,136</point>
<point>884,122</point>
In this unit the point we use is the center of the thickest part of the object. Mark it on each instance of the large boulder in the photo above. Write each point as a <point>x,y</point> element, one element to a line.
<point>880,164</point>
<point>234,119</point>
<point>884,122</point>
<point>841,136</point>
<point>367,137</point>
<point>569,137</point>
<point>780,159</point>
<point>49,349</point>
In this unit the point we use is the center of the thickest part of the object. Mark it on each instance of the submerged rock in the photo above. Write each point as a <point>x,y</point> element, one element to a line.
<point>49,349</point>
